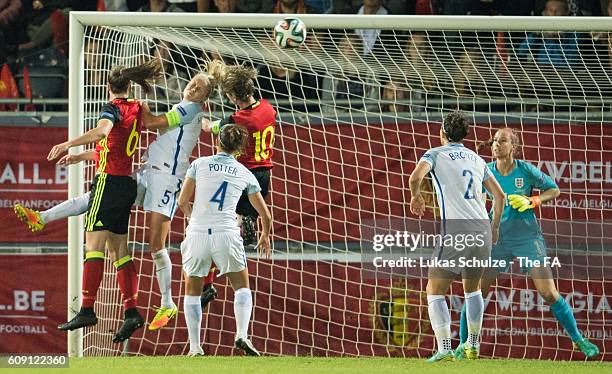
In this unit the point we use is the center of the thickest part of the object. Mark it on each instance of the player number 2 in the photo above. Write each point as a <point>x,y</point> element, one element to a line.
<point>468,192</point>
<point>262,147</point>
<point>219,196</point>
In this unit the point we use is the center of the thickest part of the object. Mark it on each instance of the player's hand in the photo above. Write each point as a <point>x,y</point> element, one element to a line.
<point>58,150</point>
<point>494,235</point>
<point>522,203</point>
<point>263,245</point>
<point>145,106</point>
<point>417,205</point>
<point>69,160</point>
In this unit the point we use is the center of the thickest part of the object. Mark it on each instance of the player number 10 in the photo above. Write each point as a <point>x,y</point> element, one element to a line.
<point>262,147</point>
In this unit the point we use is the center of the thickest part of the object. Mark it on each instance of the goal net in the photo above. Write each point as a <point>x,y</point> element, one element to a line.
<point>359,103</point>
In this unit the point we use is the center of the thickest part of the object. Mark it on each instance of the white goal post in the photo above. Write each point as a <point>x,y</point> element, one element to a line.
<point>182,29</point>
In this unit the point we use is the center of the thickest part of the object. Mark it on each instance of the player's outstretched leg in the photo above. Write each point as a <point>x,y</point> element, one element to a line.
<point>127,278</point>
<point>36,220</point>
<point>209,292</point>
<point>29,217</point>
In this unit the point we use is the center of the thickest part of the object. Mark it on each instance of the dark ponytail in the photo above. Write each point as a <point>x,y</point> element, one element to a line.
<point>233,138</point>
<point>120,76</point>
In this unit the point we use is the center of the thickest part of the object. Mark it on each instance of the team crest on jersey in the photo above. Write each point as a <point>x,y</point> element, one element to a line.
<point>518,182</point>
<point>397,316</point>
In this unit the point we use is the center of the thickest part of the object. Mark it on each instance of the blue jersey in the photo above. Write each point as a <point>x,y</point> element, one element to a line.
<point>522,180</point>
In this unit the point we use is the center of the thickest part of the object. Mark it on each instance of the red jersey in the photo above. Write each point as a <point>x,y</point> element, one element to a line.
<point>260,121</point>
<point>114,153</point>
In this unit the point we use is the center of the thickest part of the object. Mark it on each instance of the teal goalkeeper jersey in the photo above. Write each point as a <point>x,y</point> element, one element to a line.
<point>523,179</point>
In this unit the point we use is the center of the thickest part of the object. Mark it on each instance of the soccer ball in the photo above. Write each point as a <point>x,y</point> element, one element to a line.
<point>290,32</point>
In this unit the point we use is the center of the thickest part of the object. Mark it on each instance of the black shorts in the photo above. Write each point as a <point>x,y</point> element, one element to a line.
<point>110,203</point>
<point>244,207</point>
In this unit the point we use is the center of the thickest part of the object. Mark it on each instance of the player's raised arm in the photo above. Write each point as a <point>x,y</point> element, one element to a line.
<point>98,133</point>
<point>417,203</point>
<point>76,158</point>
<point>261,207</point>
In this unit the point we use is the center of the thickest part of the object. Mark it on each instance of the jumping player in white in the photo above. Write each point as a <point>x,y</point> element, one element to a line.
<point>213,235</point>
<point>159,183</point>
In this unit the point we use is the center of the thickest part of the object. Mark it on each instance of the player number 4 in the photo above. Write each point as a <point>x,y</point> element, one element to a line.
<point>219,196</point>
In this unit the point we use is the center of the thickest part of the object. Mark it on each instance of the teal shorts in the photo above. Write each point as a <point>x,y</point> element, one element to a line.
<point>531,249</point>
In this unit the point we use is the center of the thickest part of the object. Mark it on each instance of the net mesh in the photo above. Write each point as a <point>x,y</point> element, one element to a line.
<point>354,117</point>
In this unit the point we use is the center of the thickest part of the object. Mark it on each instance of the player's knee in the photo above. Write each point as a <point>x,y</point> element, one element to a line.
<point>242,297</point>
<point>550,296</point>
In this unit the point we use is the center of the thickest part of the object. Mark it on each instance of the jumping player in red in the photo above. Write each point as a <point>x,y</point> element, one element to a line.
<point>113,192</point>
<point>259,118</point>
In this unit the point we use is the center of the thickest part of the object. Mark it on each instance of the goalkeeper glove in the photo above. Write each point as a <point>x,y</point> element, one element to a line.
<point>522,203</point>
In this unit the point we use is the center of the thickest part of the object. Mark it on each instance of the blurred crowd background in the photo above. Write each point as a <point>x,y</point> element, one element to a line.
<point>34,48</point>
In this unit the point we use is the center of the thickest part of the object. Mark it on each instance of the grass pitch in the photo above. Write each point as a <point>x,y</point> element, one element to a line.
<point>299,365</point>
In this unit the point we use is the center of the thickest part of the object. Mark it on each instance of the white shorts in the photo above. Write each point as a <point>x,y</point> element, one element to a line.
<point>224,248</point>
<point>158,191</point>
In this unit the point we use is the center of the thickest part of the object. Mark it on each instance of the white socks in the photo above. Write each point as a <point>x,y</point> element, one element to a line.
<point>163,272</point>
<point>243,305</point>
<point>474,309</point>
<point>69,208</point>
<point>193,317</point>
<point>440,321</point>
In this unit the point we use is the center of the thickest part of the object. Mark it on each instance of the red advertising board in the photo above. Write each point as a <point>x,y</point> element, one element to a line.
<point>302,308</point>
<point>32,300</point>
<point>329,178</point>
<point>29,179</point>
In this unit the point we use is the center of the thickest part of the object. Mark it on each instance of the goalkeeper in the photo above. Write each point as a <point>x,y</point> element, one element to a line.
<point>520,234</point>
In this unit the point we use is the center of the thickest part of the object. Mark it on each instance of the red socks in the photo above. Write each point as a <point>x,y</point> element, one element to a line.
<point>93,269</point>
<point>127,277</point>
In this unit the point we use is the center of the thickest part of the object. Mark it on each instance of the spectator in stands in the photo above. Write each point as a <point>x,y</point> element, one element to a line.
<point>290,7</point>
<point>345,6</point>
<point>370,37</point>
<point>40,24</point>
<point>226,6</point>
<point>393,92</point>
<point>240,6</point>
<point>575,7</point>
<point>558,49</point>
<point>318,6</point>
<point>190,5</point>
<point>159,6</point>
<point>349,78</point>
<point>113,6</point>
<point>281,83</point>
<point>94,71</point>
<point>9,13</point>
